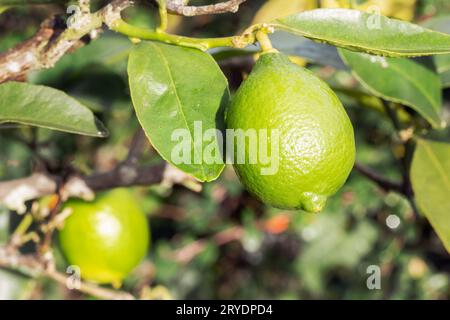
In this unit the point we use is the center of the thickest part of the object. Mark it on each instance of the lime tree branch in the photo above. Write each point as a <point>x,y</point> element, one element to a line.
<point>405,136</point>
<point>180,8</point>
<point>383,182</point>
<point>187,253</point>
<point>53,40</point>
<point>15,193</point>
<point>29,2</point>
<point>35,267</point>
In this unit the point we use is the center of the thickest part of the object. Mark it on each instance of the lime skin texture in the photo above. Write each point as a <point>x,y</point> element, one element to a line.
<point>316,138</point>
<point>105,238</point>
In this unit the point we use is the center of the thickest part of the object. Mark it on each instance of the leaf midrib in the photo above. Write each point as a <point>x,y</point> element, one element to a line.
<point>439,167</point>
<point>417,85</point>
<point>172,84</point>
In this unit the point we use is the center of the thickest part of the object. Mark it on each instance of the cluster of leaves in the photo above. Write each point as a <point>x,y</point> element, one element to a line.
<point>280,254</point>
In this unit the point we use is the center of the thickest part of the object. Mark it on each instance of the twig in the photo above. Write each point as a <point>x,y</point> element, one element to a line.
<point>178,7</point>
<point>14,193</point>
<point>47,241</point>
<point>409,150</point>
<point>85,6</point>
<point>392,115</point>
<point>32,266</point>
<point>382,182</point>
<point>91,289</point>
<point>136,146</point>
<point>190,251</point>
<point>29,2</point>
<point>53,40</point>
<point>162,15</point>
<point>124,176</point>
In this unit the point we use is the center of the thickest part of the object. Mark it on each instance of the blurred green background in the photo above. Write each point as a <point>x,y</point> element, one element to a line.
<point>221,243</point>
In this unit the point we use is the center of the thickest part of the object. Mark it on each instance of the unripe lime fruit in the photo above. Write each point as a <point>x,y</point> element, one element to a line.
<point>105,238</point>
<point>316,149</point>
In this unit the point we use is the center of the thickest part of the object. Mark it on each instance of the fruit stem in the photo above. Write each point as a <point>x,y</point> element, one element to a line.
<point>264,41</point>
<point>162,15</point>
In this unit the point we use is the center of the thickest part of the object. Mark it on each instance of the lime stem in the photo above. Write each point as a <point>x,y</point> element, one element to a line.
<point>264,41</point>
<point>163,16</point>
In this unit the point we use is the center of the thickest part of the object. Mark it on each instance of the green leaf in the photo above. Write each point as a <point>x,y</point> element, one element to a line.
<point>400,80</point>
<point>361,31</point>
<point>442,63</point>
<point>174,88</point>
<point>430,177</point>
<point>314,52</point>
<point>445,79</point>
<point>441,24</point>
<point>48,108</point>
<point>3,9</point>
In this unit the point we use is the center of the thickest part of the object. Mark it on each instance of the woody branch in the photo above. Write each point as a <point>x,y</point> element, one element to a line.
<point>54,38</point>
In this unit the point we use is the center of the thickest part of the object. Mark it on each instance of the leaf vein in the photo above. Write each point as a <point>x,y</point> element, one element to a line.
<point>179,104</point>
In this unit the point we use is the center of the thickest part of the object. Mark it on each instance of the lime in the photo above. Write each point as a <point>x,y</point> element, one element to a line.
<point>316,146</point>
<point>105,238</point>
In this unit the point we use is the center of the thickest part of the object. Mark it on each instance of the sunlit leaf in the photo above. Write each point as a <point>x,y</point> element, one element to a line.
<point>361,31</point>
<point>48,108</point>
<point>176,88</point>
<point>399,80</point>
<point>430,176</point>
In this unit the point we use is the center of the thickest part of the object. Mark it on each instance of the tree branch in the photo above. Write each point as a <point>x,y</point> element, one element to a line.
<point>29,2</point>
<point>15,193</point>
<point>136,147</point>
<point>34,267</point>
<point>178,7</point>
<point>382,182</point>
<point>126,175</point>
<point>53,40</point>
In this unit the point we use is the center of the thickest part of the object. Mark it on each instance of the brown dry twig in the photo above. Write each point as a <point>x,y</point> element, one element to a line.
<point>15,193</point>
<point>33,266</point>
<point>53,40</point>
<point>180,8</point>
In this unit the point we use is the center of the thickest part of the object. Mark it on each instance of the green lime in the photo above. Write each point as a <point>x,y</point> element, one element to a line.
<point>105,238</point>
<point>316,146</point>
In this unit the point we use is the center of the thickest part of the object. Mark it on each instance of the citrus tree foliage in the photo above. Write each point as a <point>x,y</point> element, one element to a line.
<point>77,117</point>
